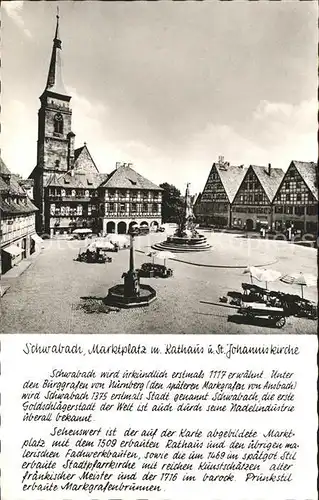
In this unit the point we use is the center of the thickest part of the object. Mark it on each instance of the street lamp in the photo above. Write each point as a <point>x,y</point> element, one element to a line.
<point>131,278</point>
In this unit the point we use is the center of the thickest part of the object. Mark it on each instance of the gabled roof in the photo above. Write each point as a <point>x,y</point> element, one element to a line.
<point>198,199</point>
<point>75,179</point>
<point>77,152</point>
<point>309,172</point>
<point>3,168</point>
<point>124,177</point>
<point>231,177</point>
<point>13,189</point>
<point>270,182</point>
<point>17,208</point>
<point>83,160</point>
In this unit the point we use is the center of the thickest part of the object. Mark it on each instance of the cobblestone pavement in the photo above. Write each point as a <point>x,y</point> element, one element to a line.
<point>45,299</point>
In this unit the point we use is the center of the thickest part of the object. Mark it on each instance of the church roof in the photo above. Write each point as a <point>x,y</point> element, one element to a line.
<point>84,161</point>
<point>55,82</point>
<point>309,172</point>
<point>124,177</point>
<point>270,182</point>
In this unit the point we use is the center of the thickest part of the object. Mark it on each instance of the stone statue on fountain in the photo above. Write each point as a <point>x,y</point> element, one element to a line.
<point>186,222</point>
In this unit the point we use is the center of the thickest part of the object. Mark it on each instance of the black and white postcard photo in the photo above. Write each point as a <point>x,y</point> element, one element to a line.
<point>158,250</point>
<point>158,168</point>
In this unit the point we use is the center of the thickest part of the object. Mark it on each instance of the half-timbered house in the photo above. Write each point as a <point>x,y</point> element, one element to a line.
<point>214,207</point>
<point>296,201</point>
<point>252,204</point>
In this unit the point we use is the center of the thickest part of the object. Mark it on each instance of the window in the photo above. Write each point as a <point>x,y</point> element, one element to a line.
<point>134,207</point>
<point>73,192</point>
<point>122,207</point>
<point>87,193</point>
<point>58,124</point>
<point>287,197</point>
<point>111,207</point>
<point>299,210</point>
<point>62,192</point>
<point>67,210</point>
<point>298,196</point>
<point>155,208</point>
<point>52,209</point>
<point>288,210</point>
<point>287,185</point>
<point>312,210</point>
<point>145,207</point>
<point>79,210</point>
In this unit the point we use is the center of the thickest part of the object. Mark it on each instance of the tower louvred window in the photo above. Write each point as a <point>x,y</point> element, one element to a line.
<point>58,123</point>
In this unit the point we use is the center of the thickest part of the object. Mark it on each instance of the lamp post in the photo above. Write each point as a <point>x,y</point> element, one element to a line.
<point>131,278</point>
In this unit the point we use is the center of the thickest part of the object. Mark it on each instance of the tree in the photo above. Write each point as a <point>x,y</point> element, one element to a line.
<point>172,203</point>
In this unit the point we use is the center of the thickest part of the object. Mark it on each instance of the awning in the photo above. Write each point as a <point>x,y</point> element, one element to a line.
<point>36,238</point>
<point>13,250</point>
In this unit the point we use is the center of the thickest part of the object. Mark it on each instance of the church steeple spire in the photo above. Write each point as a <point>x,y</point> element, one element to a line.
<point>55,81</point>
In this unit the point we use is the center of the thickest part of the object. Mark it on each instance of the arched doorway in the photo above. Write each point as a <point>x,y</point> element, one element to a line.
<point>121,227</point>
<point>144,224</point>
<point>110,227</point>
<point>249,225</point>
<point>154,225</point>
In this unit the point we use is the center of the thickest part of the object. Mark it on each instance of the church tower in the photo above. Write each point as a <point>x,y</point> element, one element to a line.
<point>55,148</point>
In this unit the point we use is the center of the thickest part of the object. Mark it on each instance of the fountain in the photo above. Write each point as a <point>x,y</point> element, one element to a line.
<point>186,238</point>
<point>131,293</point>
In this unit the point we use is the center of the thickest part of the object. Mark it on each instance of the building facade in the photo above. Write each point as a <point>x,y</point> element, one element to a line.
<point>18,239</point>
<point>214,207</point>
<point>130,199</point>
<point>252,204</point>
<point>296,201</point>
<point>69,190</point>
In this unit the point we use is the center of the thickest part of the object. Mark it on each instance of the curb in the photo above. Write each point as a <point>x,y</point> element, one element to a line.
<point>216,266</point>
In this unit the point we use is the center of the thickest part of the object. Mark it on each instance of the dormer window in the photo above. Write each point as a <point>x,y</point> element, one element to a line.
<point>58,124</point>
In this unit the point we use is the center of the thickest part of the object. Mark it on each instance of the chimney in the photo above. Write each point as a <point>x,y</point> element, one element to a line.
<point>269,169</point>
<point>117,165</point>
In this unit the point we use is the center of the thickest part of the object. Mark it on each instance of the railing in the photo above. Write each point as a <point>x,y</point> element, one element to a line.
<point>70,198</point>
<point>116,215</point>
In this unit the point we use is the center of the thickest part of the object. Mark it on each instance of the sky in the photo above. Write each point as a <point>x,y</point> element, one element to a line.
<point>167,86</point>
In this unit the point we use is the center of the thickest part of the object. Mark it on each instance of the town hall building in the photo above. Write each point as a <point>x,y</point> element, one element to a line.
<point>69,190</point>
